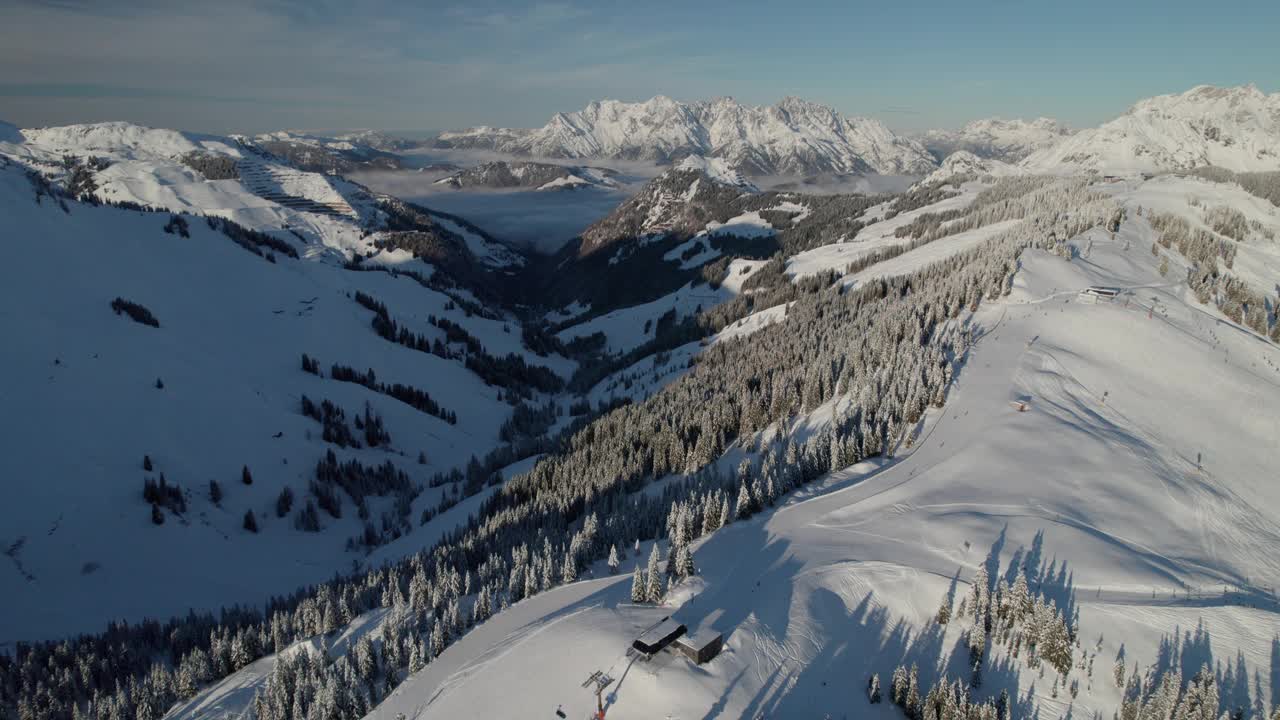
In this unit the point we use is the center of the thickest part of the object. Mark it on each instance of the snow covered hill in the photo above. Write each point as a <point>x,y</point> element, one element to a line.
<point>965,163</point>
<point>334,156</point>
<point>791,137</point>
<point>162,353</point>
<point>1234,128</point>
<point>236,179</point>
<point>504,174</point>
<point>997,139</point>
<point>1068,420</point>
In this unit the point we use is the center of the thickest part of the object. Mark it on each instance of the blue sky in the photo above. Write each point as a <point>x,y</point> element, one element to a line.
<point>254,65</point>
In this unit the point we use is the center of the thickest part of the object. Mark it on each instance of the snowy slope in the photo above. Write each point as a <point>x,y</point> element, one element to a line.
<point>717,169</point>
<point>1235,128</point>
<point>791,137</point>
<point>1151,407</point>
<point>997,139</point>
<point>232,329</point>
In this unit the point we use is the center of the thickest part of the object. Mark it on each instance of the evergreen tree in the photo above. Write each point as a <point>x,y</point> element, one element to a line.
<point>613,559</point>
<point>569,569</point>
<point>245,476</point>
<point>250,522</point>
<point>638,585</point>
<point>284,502</point>
<point>1020,597</point>
<point>743,509</point>
<point>912,702</point>
<point>898,686</point>
<point>653,577</point>
<point>684,562</point>
<point>215,492</point>
<point>979,590</point>
<point>944,610</point>
<point>873,689</point>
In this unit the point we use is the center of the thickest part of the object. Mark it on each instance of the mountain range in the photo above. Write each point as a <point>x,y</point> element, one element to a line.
<point>792,137</point>
<point>897,438</point>
<point>1235,128</point>
<point>997,138</point>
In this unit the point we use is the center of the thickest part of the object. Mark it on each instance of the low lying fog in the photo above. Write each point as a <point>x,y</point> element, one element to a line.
<point>545,220</point>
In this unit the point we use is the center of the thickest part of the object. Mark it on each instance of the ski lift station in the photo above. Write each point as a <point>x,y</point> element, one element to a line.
<point>699,648</point>
<point>1098,293</point>
<point>658,637</point>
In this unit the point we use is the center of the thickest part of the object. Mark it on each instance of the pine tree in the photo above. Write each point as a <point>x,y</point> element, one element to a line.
<point>653,576</point>
<point>873,689</point>
<point>245,476</point>
<point>898,686</point>
<point>250,522</point>
<point>743,509</point>
<point>613,559</point>
<point>366,663</point>
<point>437,639</point>
<point>944,610</point>
<point>284,502</point>
<point>710,516</point>
<point>979,591</point>
<point>638,585</point>
<point>1020,597</point>
<point>215,492</point>
<point>240,655</point>
<point>912,703</point>
<point>569,569</point>
<point>684,562</point>
<point>146,463</point>
<point>977,642</point>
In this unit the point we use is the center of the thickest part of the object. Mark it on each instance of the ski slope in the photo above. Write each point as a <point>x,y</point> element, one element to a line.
<point>1134,487</point>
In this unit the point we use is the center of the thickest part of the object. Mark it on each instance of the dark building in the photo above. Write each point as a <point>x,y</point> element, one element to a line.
<point>701,647</point>
<point>659,636</point>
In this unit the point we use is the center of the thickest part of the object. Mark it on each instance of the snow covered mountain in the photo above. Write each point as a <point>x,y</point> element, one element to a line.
<point>894,442</point>
<point>1234,128</point>
<point>680,201</point>
<point>984,550</point>
<point>303,386</point>
<point>503,174</point>
<point>350,153</point>
<point>997,139</point>
<point>235,178</point>
<point>965,163</point>
<point>791,137</point>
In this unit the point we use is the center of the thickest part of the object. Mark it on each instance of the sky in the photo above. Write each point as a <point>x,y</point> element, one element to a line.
<point>258,65</point>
